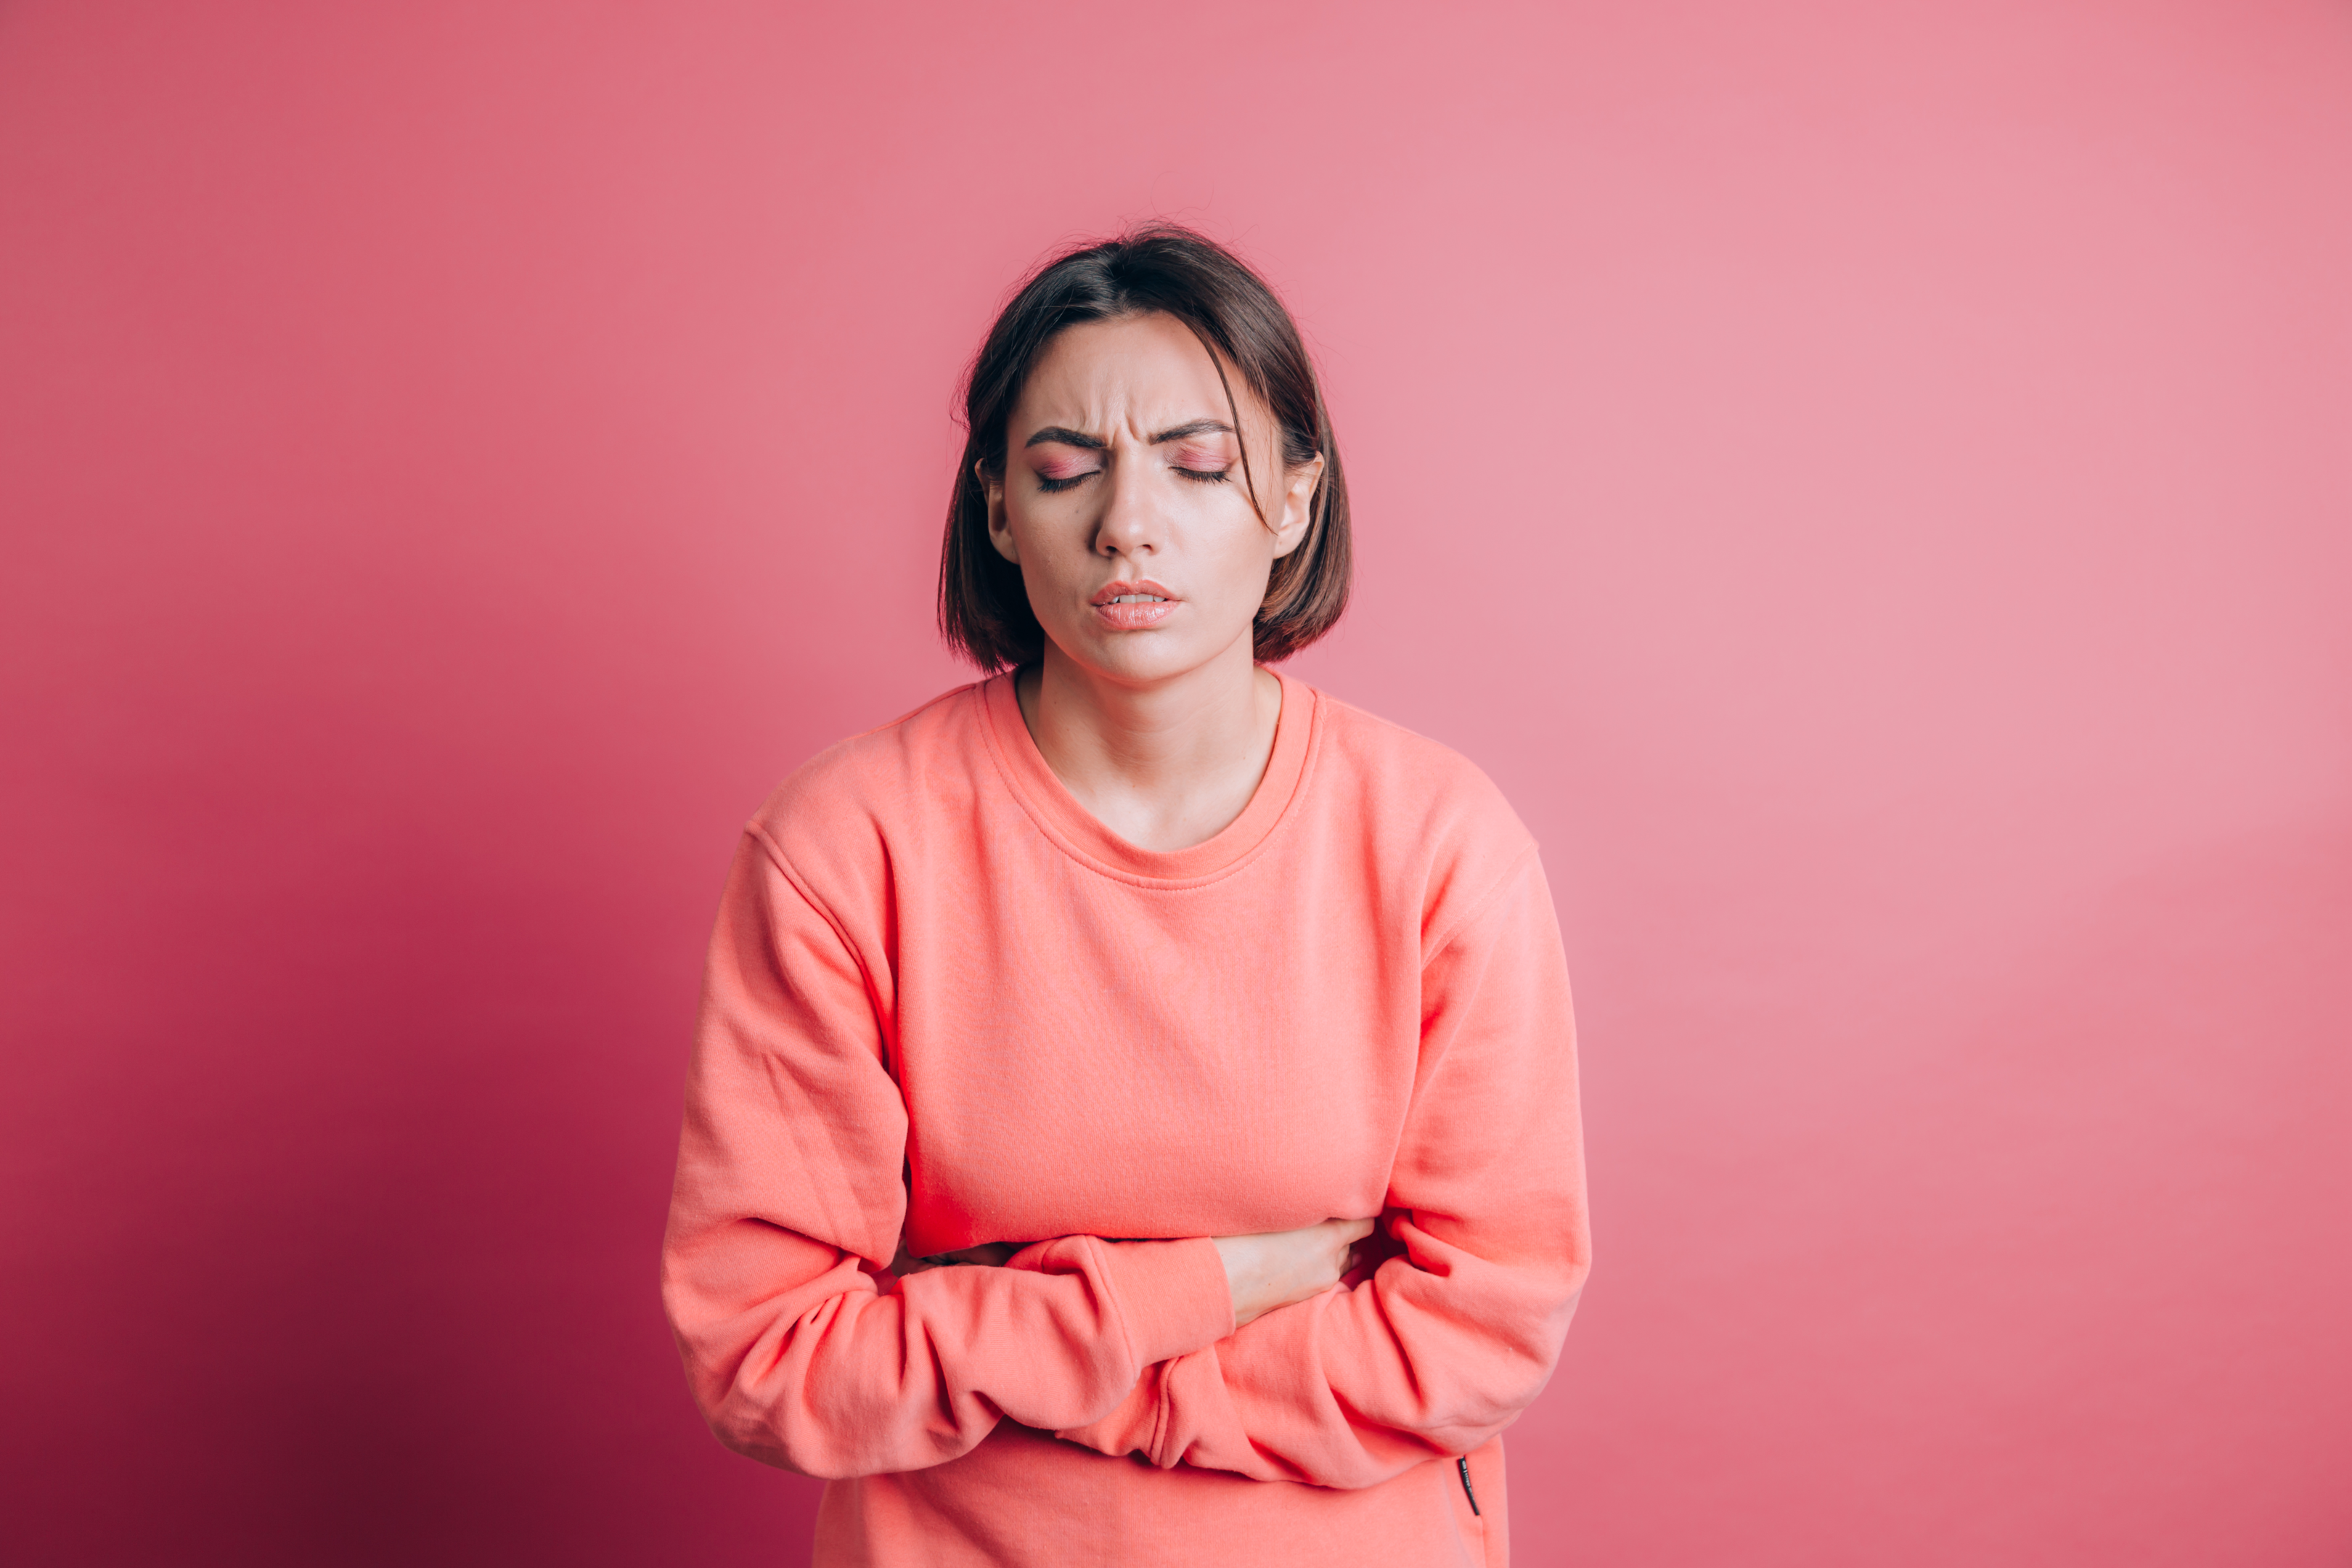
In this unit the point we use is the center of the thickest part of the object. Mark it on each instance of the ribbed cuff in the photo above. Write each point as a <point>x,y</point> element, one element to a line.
<point>1172,1295</point>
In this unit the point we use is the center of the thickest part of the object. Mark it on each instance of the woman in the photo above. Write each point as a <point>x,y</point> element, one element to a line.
<point>1219,1029</point>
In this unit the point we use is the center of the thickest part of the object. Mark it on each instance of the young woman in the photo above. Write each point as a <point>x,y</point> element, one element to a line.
<point>1217,1030</point>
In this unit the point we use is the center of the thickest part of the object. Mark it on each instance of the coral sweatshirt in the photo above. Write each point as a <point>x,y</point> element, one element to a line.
<point>943,999</point>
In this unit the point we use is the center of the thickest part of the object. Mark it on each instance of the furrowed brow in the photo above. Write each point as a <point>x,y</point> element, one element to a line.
<point>1197,427</point>
<point>1066,437</point>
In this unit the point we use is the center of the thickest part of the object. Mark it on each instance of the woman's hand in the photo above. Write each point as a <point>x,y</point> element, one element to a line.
<point>1262,1272</point>
<point>1286,1266</point>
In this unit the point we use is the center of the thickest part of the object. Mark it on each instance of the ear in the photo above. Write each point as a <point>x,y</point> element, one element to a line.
<point>1298,506</point>
<point>999,534</point>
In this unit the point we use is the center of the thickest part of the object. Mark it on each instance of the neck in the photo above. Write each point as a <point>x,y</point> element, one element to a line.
<point>1166,764</point>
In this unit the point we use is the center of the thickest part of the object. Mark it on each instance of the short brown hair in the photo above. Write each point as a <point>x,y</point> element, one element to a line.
<point>984,610</point>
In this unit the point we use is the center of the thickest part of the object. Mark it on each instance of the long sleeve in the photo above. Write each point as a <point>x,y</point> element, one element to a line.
<point>1451,1338</point>
<point>789,1200</point>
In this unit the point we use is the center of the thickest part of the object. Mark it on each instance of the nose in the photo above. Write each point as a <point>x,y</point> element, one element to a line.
<point>1130,524</point>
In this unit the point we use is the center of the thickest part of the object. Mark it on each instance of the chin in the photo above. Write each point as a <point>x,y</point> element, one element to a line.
<point>1138,658</point>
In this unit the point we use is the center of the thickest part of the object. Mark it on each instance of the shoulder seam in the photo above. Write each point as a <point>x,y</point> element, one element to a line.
<point>775,854</point>
<point>1435,947</point>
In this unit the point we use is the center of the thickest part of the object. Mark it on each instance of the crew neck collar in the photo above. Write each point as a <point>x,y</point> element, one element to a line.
<point>1079,834</point>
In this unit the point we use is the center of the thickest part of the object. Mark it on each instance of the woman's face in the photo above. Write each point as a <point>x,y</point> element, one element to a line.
<point>1124,503</point>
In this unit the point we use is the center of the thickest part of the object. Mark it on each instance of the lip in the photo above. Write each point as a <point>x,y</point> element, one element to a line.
<point>1132,618</point>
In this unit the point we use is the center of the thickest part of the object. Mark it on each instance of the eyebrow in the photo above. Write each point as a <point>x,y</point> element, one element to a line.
<point>1069,437</point>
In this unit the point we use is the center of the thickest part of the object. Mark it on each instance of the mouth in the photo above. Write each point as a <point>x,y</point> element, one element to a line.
<point>1145,593</point>
<point>1132,606</point>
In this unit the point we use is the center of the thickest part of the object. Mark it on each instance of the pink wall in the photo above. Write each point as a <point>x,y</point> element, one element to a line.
<point>1870,481</point>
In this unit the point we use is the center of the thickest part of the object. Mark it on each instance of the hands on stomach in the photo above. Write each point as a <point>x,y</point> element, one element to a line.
<point>1262,1272</point>
<point>1281,1267</point>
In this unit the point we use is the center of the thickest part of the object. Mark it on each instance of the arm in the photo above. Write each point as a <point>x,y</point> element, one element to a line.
<point>1446,1343</point>
<point>790,1198</point>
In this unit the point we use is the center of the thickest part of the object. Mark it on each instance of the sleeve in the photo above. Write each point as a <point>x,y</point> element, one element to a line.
<point>1450,1337</point>
<point>788,1203</point>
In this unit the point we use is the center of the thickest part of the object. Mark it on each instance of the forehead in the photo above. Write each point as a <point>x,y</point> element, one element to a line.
<point>1147,368</point>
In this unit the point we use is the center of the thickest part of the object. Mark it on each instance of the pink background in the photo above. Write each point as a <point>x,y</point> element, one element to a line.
<point>1869,480</point>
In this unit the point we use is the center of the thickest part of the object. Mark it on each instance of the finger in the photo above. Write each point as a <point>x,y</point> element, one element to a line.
<point>1357,1229</point>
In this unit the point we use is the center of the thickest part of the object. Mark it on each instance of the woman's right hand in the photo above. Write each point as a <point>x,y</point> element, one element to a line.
<point>1281,1267</point>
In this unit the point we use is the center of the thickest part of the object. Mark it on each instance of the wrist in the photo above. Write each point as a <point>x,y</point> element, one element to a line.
<point>1174,1296</point>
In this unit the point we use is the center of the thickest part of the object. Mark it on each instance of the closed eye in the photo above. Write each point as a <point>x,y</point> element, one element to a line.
<point>1204,462</point>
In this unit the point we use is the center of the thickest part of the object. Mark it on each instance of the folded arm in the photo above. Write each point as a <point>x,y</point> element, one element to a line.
<point>789,1200</point>
<point>1453,1336</point>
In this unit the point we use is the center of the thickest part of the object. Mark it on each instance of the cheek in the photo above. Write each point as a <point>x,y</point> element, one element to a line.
<point>1238,565</point>
<point>1053,556</point>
